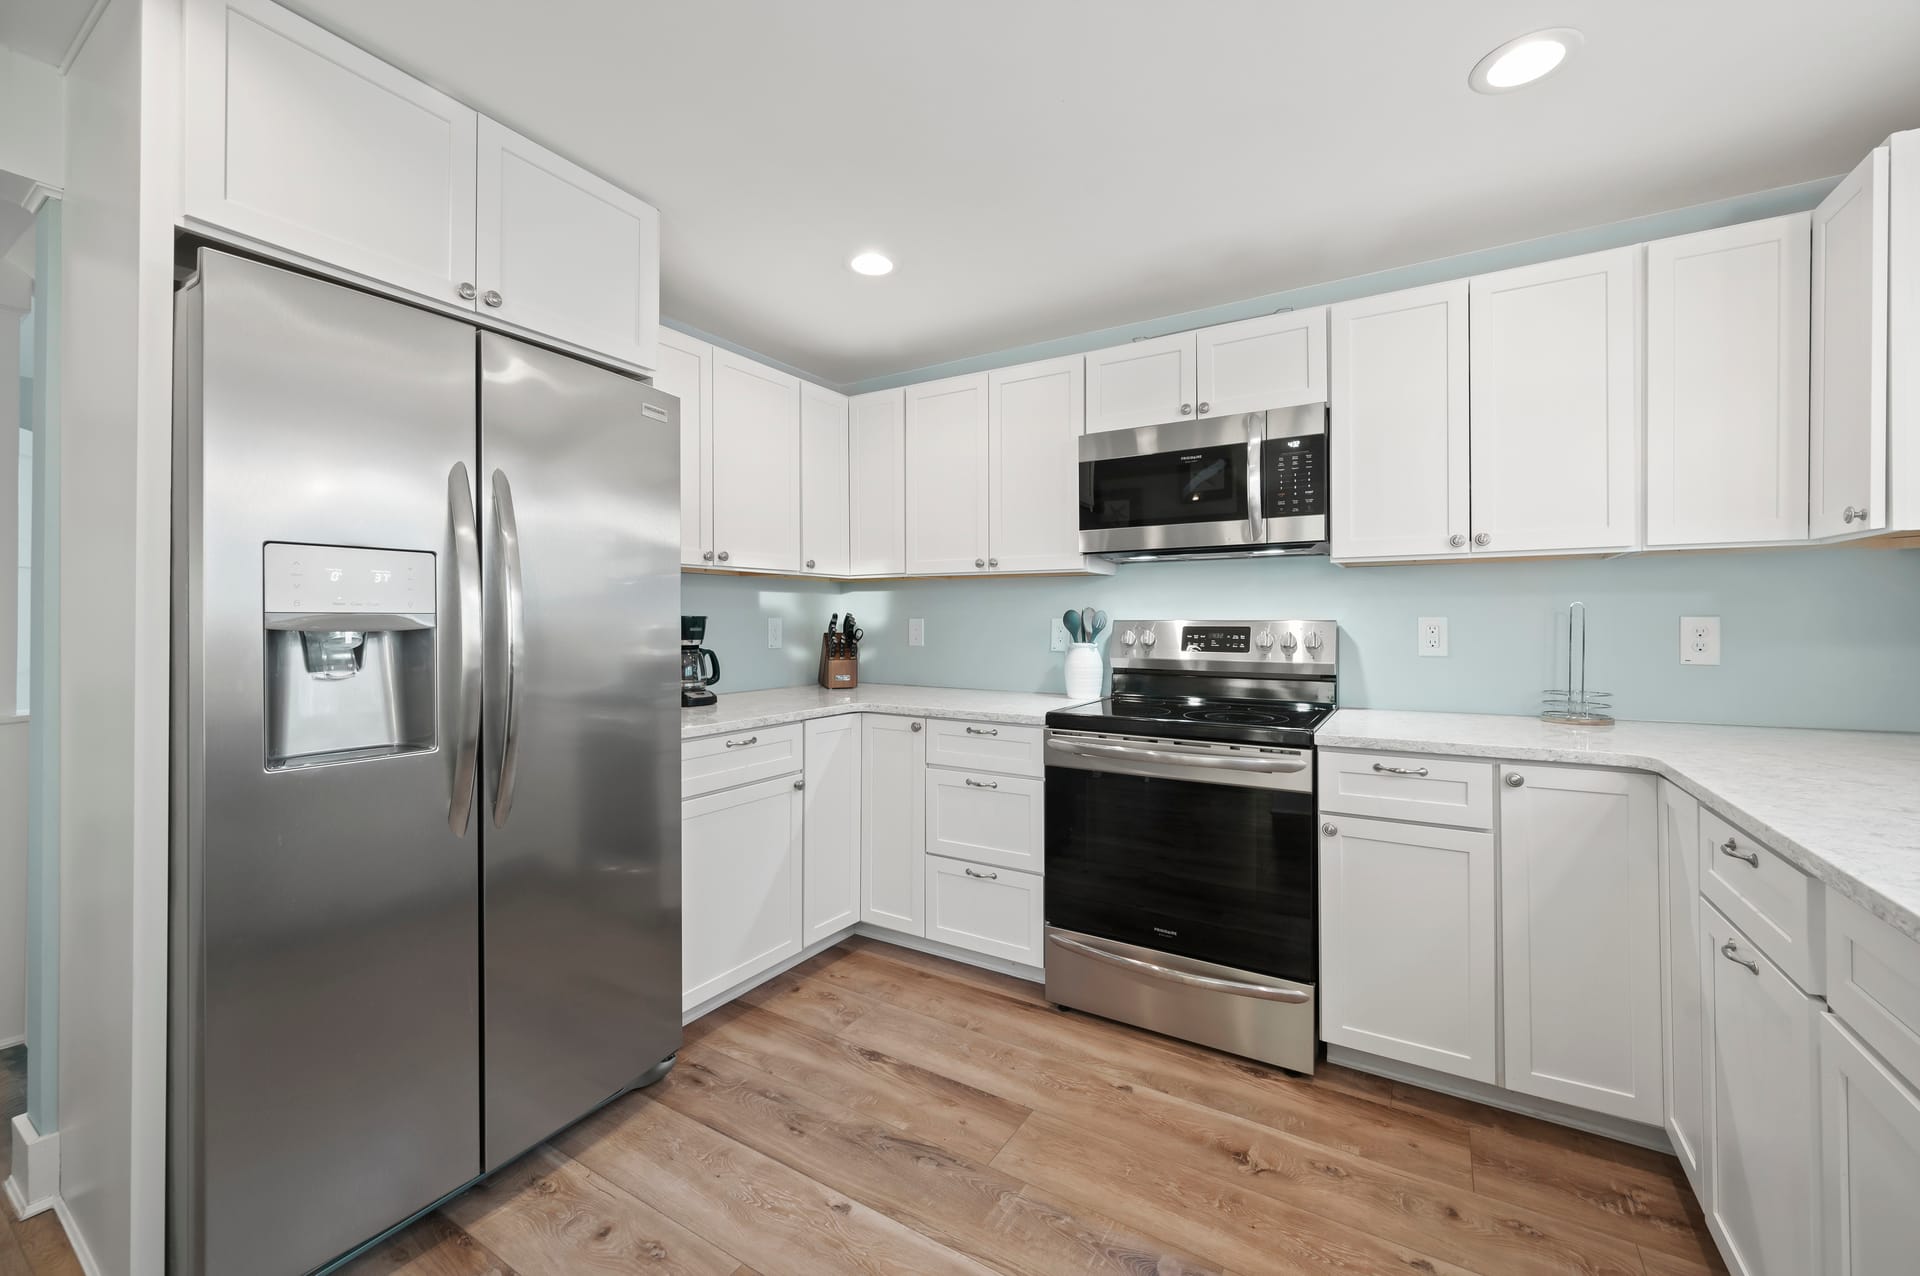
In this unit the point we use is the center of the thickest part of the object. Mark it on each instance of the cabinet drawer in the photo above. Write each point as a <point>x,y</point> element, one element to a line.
<point>986,818</point>
<point>1424,790</point>
<point>996,911</point>
<point>717,762</point>
<point>1873,983</point>
<point>986,746</point>
<point>1776,904</point>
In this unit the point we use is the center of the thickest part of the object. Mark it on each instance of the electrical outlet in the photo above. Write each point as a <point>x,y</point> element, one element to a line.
<point>1699,640</point>
<point>1433,636</point>
<point>1057,634</point>
<point>916,633</point>
<point>773,631</point>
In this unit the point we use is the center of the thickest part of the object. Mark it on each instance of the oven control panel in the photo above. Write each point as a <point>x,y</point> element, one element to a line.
<point>1175,644</point>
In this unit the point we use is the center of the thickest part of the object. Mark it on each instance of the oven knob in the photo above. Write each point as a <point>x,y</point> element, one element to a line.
<point>1147,639</point>
<point>1265,639</point>
<point>1313,640</point>
<point>1288,642</point>
<point>1127,639</point>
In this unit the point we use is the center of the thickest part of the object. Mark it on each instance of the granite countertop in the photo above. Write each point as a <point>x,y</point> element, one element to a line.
<point>1842,805</point>
<point>738,711</point>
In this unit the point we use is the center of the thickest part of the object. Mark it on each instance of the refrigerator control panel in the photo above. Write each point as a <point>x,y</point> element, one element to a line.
<point>328,579</point>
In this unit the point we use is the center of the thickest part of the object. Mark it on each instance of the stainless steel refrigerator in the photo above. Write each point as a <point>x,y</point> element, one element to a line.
<point>426,839</point>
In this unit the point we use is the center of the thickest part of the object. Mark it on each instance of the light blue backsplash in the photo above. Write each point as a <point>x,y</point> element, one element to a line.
<point>737,609</point>
<point>1810,637</point>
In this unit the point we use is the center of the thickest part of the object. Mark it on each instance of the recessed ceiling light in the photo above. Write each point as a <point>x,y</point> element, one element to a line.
<point>1523,60</point>
<point>872,263</point>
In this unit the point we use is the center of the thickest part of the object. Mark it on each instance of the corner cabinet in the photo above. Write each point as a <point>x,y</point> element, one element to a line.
<point>893,822</point>
<point>830,878</point>
<point>876,483</point>
<point>755,485</point>
<point>824,548</point>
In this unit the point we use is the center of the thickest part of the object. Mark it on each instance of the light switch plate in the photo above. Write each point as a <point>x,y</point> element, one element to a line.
<point>1699,640</point>
<point>773,631</point>
<point>916,633</point>
<point>1432,636</point>
<point>1057,634</point>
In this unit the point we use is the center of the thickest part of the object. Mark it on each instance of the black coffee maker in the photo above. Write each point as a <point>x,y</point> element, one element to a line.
<point>694,660</point>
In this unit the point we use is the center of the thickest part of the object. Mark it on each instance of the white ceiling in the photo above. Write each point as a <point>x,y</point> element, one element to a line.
<point>44,30</point>
<point>1040,168</point>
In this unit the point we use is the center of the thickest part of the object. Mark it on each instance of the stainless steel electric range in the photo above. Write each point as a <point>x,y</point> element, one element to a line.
<point>1180,848</point>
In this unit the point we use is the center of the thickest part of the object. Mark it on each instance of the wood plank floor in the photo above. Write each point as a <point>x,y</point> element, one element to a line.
<point>36,1246</point>
<point>876,1110</point>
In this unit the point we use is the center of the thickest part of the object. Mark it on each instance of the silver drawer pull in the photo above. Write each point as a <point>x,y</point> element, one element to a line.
<point>983,731</point>
<point>1732,954</point>
<point>741,744</point>
<point>1730,849</point>
<point>988,877</point>
<point>982,784</point>
<point>1399,770</point>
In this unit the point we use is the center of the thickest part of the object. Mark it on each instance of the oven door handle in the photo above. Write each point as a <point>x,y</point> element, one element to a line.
<point>1217,762</point>
<point>1153,970</point>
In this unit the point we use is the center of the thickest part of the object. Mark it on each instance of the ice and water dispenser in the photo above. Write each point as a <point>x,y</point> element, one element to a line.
<point>349,656</point>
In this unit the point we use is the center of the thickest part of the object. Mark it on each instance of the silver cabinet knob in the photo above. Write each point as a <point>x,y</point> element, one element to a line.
<point>1850,513</point>
<point>1482,539</point>
<point>1330,829</point>
<point>917,726</point>
<point>1456,540</point>
<point>708,556</point>
<point>993,562</point>
<point>800,784</point>
<point>1515,779</point>
<point>466,292</point>
<point>809,562</point>
<point>723,555</point>
<point>1186,409</point>
<point>979,562</point>
<point>491,297</point>
<point>1204,407</point>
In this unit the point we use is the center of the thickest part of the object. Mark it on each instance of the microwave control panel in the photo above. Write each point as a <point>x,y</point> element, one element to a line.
<point>1293,476</point>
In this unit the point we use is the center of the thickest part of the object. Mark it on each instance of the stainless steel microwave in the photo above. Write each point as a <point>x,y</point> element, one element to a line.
<point>1246,484</point>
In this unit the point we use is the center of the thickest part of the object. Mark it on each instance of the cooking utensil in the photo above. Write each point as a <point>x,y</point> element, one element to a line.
<point>1100,622</point>
<point>1072,621</point>
<point>1086,624</point>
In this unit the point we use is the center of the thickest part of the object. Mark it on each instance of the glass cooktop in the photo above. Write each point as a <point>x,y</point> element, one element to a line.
<point>1280,722</point>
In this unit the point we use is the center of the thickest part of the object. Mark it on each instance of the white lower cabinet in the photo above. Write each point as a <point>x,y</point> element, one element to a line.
<point>1580,927</point>
<point>893,822</point>
<point>996,911</point>
<point>830,879</point>
<point>1763,1106</point>
<point>740,885</point>
<point>1685,1070</point>
<point>1408,934</point>
<point>1870,1160</point>
<point>990,819</point>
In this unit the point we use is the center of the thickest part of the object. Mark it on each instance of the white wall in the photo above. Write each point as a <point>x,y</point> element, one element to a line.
<point>32,119</point>
<point>13,881</point>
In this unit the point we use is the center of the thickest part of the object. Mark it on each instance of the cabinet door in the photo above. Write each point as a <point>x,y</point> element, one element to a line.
<point>1727,314</point>
<point>1847,478</point>
<point>1580,927</point>
<point>1870,1160</point>
<point>563,253</point>
<point>947,476</point>
<point>1147,382</point>
<point>1399,441</point>
<point>686,372</point>
<point>740,886</point>
<point>877,482</point>
<point>1763,1097</point>
<point>756,466</point>
<point>1034,418</point>
<point>296,138</point>
<point>893,822</point>
<point>823,481</point>
<point>1408,930</point>
<point>1554,362</point>
<point>831,879</point>
<point>1273,361</point>
<point>1685,1070</point>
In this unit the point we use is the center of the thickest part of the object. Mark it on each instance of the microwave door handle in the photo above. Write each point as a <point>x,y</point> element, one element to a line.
<point>469,648</point>
<point>1256,522</point>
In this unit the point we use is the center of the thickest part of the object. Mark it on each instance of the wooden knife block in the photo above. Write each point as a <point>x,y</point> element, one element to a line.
<point>837,672</point>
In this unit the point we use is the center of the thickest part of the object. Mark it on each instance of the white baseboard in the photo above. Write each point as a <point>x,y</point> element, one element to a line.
<point>79,1243</point>
<point>35,1183</point>
<point>1609,1127</point>
<point>8,1043</point>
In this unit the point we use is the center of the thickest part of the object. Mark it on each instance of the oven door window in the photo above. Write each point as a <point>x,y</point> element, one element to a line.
<point>1199,485</point>
<point>1207,871</point>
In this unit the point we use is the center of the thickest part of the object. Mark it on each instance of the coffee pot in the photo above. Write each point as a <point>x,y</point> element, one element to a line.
<point>695,676</point>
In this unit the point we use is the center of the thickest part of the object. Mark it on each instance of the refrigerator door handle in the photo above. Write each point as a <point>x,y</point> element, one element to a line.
<point>512,599</point>
<point>465,535</point>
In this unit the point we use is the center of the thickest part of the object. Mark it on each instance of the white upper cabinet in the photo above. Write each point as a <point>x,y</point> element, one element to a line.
<point>1399,431</point>
<point>1146,382</point>
<point>877,483</point>
<point>1727,319</point>
<point>1554,391</point>
<point>823,481</point>
<point>564,253</point>
<point>1847,480</point>
<point>756,466</point>
<point>1273,361</point>
<point>1034,416</point>
<point>297,139</point>
<point>947,476</point>
<point>686,372</point>
<point>1580,925</point>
